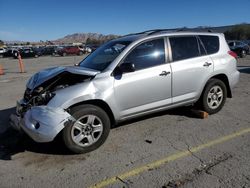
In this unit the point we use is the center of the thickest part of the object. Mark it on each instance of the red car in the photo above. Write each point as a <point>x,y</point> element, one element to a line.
<point>71,50</point>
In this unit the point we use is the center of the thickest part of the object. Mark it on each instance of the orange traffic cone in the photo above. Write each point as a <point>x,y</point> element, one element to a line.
<point>20,63</point>
<point>1,70</point>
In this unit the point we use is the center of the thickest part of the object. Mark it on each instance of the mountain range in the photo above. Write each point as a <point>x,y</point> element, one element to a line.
<point>84,37</point>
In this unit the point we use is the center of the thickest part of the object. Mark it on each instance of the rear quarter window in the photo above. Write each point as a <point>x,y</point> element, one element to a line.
<point>211,43</point>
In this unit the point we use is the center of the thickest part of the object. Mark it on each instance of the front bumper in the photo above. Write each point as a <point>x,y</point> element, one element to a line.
<point>42,123</point>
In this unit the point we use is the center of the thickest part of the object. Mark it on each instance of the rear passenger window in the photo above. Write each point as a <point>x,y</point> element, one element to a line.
<point>211,43</point>
<point>184,47</point>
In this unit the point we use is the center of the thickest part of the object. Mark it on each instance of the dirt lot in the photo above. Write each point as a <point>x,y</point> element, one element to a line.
<point>168,149</point>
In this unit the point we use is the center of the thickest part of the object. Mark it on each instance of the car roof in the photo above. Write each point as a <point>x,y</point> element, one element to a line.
<point>161,33</point>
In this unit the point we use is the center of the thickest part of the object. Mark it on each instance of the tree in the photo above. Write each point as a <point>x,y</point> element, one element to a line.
<point>1,43</point>
<point>238,32</point>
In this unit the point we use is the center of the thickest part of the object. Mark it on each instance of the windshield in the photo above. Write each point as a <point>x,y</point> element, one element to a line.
<point>104,55</point>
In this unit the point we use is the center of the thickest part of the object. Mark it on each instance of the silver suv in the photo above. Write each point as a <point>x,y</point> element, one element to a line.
<point>125,78</point>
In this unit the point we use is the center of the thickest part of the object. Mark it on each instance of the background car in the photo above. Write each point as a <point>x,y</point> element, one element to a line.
<point>26,52</point>
<point>48,50</point>
<point>70,50</point>
<point>90,48</point>
<point>9,52</point>
<point>248,43</point>
<point>240,48</point>
<point>2,50</point>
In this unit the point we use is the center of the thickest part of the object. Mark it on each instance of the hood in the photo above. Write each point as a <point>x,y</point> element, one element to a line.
<point>46,74</point>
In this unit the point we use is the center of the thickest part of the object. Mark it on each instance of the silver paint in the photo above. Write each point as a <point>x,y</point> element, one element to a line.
<point>133,94</point>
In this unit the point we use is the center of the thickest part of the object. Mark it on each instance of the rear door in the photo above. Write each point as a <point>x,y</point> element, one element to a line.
<point>191,67</point>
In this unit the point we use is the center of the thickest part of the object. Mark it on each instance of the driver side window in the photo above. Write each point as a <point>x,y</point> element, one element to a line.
<point>147,54</point>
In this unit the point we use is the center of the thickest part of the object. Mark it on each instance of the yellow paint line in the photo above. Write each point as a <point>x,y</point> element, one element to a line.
<point>170,158</point>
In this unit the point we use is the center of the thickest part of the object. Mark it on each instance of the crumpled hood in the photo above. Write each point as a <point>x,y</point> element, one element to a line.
<point>46,74</point>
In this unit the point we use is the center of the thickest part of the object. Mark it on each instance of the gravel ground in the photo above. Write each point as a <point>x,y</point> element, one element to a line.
<point>130,145</point>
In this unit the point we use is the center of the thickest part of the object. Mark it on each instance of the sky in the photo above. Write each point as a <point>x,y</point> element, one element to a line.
<point>34,20</point>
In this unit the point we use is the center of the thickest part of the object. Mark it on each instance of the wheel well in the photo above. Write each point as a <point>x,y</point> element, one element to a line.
<point>103,105</point>
<point>224,79</point>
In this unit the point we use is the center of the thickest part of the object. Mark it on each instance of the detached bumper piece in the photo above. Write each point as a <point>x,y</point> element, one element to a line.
<point>42,123</point>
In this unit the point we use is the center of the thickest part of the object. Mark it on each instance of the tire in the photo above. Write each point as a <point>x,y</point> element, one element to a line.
<point>77,134</point>
<point>80,53</point>
<point>214,96</point>
<point>64,54</point>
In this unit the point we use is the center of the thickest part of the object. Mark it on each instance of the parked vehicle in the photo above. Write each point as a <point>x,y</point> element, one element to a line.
<point>240,48</point>
<point>90,48</point>
<point>125,78</point>
<point>2,51</point>
<point>9,53</point>
<point>48,50</point>
<point>248,43</point>
<point>26,52</point>
<point>71,50</point>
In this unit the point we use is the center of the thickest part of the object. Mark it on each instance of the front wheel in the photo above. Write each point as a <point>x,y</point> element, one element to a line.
<point>214,96</point>
<point>89,131</point>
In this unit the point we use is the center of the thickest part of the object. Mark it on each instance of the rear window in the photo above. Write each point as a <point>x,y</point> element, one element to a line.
<point>211,43</point>
<point>184,47</point>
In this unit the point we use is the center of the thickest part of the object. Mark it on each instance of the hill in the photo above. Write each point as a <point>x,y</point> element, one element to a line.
<point>85,38</point>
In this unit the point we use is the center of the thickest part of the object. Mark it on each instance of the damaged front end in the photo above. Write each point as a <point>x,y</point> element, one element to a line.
<point>40,121</point>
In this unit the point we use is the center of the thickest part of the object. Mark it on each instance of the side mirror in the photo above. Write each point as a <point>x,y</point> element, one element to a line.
<point>127,67</point>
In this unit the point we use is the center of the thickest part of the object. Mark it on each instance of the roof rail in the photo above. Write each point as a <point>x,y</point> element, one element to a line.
<point>195,29</point>
<point>161,30</point>
<point>154,31</point>
<point>181,29</point>
<point>145,32</point>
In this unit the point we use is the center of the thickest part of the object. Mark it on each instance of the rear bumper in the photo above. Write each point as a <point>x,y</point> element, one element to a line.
<point>234,79</point>
<point>41,123</point>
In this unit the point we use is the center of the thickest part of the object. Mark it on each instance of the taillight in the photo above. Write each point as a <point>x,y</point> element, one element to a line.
<point>232,54</point>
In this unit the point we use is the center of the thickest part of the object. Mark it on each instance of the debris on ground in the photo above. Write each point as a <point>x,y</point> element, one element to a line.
<point>148,141</point>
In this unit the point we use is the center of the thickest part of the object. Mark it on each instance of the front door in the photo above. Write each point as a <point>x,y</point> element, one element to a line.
<point>147,88</point>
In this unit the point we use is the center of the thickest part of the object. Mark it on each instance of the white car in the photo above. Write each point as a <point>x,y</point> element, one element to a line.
<point>2,50</point>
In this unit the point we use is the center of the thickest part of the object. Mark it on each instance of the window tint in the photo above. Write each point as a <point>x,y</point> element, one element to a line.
<point>147,54</point>
<point>184,47</point>
<point>211,43</point>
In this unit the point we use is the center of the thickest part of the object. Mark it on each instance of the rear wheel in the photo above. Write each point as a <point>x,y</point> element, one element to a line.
<point>80,53</point>
<point>89,131</point>
<point>214,96</point>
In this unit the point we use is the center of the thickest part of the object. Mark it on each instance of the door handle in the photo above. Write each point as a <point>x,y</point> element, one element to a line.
<point>164,73</point>
<point>207,64</point>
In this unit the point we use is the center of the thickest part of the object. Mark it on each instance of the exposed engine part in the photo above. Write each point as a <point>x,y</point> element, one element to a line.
<point>43,93</point>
